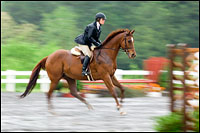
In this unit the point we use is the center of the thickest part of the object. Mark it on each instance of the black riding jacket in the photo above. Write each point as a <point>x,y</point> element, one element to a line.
<point>90,36</point>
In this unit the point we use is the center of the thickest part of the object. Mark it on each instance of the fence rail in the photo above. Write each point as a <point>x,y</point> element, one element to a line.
<point>44,81</point>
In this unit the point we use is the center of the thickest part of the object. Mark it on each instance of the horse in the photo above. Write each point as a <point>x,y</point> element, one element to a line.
<point>62,64</point>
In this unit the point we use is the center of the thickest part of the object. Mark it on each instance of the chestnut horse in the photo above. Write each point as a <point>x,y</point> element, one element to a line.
<point>62,64</point>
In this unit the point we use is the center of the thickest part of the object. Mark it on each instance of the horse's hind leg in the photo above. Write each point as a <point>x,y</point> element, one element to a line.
<point>73,91</point>
<point>49,94</point>
<point>116,83</point>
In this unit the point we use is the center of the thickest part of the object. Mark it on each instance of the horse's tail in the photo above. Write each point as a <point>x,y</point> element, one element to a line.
<point>34,77</point>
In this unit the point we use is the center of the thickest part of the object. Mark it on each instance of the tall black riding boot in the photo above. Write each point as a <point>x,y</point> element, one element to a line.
<point>85,64</point>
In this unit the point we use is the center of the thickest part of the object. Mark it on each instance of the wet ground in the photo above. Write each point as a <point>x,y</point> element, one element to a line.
<point>31,114</point>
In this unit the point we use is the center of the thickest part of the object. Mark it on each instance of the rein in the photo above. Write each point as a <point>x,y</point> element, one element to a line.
<point>125,49</point>
<point>103,48</point>
<point>108,48</point>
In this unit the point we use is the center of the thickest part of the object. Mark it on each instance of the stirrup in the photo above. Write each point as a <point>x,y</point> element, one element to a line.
<point>85,73</point>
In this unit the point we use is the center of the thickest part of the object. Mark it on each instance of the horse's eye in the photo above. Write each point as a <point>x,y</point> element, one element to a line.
<point>129,41</point>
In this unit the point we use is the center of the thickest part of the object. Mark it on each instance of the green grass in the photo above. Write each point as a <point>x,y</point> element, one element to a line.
<point>173,122</point>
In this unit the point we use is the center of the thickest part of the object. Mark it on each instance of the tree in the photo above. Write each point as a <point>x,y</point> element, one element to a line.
<point>60,27</point>
<point>28,11</point>
<point>11,30</point>
<point>157,23</point>
<point>8,27</point>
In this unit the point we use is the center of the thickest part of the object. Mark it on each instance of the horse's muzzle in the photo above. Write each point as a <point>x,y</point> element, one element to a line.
<point>131,56</point>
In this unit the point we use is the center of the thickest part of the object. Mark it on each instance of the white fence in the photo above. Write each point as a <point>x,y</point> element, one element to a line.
<point>44,81</point>
<point>11,79</point>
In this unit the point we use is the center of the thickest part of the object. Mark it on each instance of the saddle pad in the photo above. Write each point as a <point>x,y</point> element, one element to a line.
<point>76,51</point>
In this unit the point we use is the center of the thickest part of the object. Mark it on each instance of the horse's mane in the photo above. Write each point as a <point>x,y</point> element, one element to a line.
<point>113,34</point>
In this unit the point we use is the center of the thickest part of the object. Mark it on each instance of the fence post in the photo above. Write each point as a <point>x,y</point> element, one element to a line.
<point>171,57</point>
<point>10,76</point>
<point>118,74</point>
<point>197,67</point>
<point>44,87</point>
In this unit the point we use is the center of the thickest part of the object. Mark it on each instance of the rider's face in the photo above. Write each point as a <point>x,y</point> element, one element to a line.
<point>102,21</point>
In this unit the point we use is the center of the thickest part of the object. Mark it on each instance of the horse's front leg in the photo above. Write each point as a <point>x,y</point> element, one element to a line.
<point>116,83</point>
<point>108,82</point>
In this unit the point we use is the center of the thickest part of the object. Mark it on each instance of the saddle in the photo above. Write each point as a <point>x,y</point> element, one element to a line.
<point>78,52</point>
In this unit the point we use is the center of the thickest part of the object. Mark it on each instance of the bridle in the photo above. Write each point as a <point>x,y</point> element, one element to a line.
<point>126,46</point>
<point>124,49</point>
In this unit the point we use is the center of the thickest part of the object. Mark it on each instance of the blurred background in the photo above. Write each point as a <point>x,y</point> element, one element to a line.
<point>33,30</point>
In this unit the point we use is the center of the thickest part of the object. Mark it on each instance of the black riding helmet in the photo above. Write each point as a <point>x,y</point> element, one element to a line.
<point>100,15</point>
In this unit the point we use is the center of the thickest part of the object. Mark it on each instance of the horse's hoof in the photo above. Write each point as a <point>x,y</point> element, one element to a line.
<point>123,113</point>
<point>90,107</point>
<point>119,107</point>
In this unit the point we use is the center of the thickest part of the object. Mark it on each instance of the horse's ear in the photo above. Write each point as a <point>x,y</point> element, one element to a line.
<point>132,31</point>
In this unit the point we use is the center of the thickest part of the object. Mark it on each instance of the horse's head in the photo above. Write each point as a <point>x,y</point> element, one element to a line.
<point>127,44</point>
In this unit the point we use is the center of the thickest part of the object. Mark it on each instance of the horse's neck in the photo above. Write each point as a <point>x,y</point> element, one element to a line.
<point>112,47</point>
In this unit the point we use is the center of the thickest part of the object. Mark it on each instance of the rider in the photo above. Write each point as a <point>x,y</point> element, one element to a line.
<point>90,39</point>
